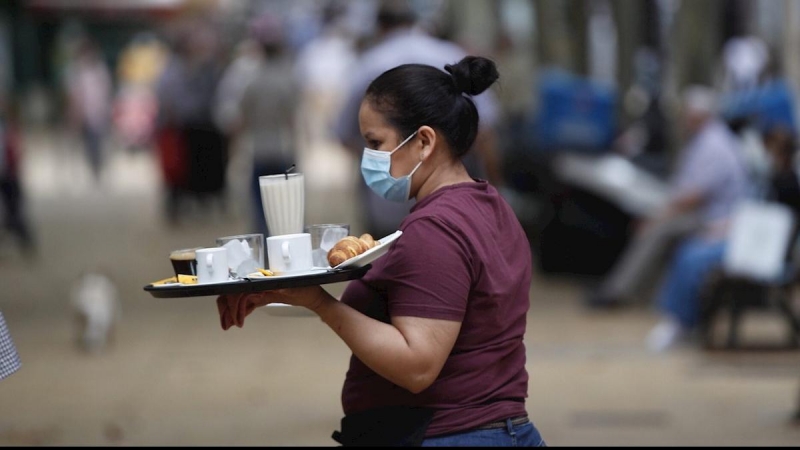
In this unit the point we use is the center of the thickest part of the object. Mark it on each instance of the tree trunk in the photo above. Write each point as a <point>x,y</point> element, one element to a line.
<point>791,42</point>
<point>698,39</point>
<point>577,20</point>
<point>628,19</point>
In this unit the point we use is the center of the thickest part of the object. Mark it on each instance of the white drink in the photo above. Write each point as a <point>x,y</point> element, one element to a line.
<point>283,198</point>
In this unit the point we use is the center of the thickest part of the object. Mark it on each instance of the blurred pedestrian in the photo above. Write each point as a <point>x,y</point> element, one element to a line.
<point>436,327</point>
<point>89,88</point>
<point>263,112</point>
<point>237,76</point>
<point>710,179</point>
<point>136,105</point>
<point>11,191</point>
<point>186,92</point>
<point>9,359</point>
<point>168,138</point>
<point>322,69</point>
<point>399,41</point>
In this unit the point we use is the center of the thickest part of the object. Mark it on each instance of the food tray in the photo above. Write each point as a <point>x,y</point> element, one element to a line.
<point>313,277</point>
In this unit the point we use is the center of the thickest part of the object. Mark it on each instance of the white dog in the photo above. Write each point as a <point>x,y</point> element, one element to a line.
<point>95,300</point>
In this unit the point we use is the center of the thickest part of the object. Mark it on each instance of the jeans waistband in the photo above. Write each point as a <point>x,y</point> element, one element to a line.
<point>502,423</point>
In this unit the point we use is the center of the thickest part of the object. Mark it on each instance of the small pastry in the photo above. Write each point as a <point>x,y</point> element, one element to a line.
<point>345,249</point>
<point>336,257</point>
<point>363,246</point>
<point>371,242</point>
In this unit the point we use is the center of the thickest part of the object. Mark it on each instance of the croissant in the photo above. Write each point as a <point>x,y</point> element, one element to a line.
<point>363,246</point>
<point>349,247</point>
<point>370,241</point>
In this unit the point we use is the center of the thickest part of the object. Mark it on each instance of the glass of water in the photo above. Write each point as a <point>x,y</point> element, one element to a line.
<point>245,253</point>
<point>323,238</point>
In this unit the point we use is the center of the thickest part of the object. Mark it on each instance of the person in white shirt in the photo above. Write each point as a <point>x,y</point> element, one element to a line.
<point>709,181</point>
<point>89,87</point>
<point>266,109</point>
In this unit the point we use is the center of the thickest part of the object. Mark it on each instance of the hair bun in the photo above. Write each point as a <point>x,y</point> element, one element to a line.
<point>473,74</point>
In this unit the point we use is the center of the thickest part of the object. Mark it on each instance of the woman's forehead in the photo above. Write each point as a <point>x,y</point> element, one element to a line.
<point>367,113</point>
<point>371,120</point>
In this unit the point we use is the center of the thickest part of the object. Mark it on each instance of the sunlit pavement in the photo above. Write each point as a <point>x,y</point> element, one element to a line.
<point>171,376</point>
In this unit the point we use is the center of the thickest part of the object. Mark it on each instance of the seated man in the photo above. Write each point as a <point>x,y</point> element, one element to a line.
<point>679,298</point>
<point>709,180</point>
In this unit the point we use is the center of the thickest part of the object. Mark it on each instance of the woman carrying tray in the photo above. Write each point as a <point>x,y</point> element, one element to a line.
<point>436,327</point>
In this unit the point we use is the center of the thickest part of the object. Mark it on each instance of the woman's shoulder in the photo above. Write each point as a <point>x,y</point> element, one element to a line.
<point>426,224</point>
<point>431,229</point>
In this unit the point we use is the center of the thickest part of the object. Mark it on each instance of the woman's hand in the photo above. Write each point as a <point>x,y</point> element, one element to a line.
<point>235,307</point>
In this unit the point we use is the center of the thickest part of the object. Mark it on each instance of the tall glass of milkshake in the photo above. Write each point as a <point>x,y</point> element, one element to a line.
<point>283,198</point>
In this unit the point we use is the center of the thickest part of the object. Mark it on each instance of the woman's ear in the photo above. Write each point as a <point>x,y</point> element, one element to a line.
<point>427,137</point>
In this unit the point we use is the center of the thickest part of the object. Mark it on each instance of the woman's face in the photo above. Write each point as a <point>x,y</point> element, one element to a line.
<point>379,135</point>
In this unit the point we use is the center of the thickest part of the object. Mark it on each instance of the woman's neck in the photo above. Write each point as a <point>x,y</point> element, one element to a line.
<point>446,174</point>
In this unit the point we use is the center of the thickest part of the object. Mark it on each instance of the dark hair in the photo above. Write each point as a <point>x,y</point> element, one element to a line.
<point>413,95</point>
<point>395,13</point>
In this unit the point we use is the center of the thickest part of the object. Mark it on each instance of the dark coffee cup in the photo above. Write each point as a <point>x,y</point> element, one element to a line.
<point>184,262</point>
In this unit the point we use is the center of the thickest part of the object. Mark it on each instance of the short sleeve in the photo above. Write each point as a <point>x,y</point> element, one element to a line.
<point>430,272</point>
<point>706,170</point>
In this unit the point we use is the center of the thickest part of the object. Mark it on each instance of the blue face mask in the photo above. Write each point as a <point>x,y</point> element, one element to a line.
<point>375,168</point>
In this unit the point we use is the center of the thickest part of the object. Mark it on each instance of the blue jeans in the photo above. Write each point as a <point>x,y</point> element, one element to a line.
<point>690,266</point>
<point>525,435</point>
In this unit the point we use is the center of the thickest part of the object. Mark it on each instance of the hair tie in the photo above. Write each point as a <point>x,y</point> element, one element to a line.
<point>462,84</point>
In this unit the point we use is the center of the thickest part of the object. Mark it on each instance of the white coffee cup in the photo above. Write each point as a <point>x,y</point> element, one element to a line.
<point>289,253</point>
<point>283,199</point>
<point>212,265</point>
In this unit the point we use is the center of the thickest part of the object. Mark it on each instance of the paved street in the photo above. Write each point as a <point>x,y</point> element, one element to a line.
<point>171,376</point>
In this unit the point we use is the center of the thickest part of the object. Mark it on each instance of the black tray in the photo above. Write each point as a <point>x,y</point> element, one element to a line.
<point>257,284</point>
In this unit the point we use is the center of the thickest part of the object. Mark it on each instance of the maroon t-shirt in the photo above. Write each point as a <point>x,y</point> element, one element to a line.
<point>463,256</point>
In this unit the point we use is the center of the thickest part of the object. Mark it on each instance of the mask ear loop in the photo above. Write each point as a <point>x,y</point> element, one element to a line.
<point>421,160</point>
<point>411,136</point>
<point>415,169</point>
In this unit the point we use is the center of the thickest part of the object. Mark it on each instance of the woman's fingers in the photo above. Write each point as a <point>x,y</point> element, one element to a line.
<point>233,306</point>
<point>241,310</point>
<point>251,306</point>
<point>233,309</point>
<point>228,307</point>
<point>227,320</point>
<point>222,307</point>
<point>247,304</point>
